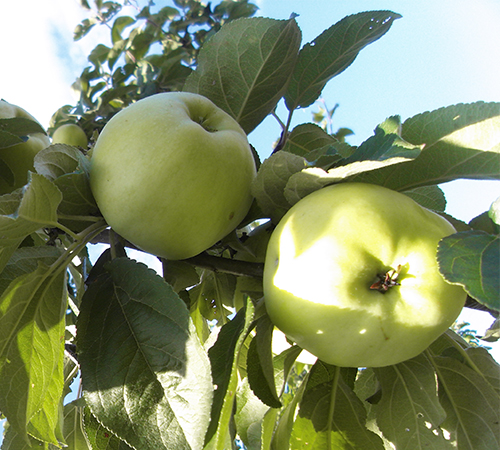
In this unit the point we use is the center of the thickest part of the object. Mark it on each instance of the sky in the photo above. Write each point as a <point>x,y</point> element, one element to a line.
<point>441,52</point>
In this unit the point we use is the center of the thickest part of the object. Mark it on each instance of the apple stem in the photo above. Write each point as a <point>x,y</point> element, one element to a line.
<point>387,280</point>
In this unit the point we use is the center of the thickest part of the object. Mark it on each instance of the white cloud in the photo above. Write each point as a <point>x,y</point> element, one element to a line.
<point>40,60</point>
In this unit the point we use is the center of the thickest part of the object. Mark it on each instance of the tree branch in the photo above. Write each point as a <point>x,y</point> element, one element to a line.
<point>203,260</point>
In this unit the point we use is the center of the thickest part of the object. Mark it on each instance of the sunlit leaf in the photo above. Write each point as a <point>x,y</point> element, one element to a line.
<point>409,413</point>
<point>32,310</point>
<point>471,405</point>
<point>145,374</point>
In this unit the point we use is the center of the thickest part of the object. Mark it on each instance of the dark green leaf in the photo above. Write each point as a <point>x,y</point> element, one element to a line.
<point>472,258</point>
<point>9,139</point>
<point>332,52</point>
<point>244,67</point>
<point>145,374</point>
<point>269,184</point>
<point>483,222</point>
<point>307,137</point>
<point>431,197</point>
<point>260,364</point>
<point>384,149</point>
<point>20,126</point>
<point>118,26</point>
<point>224,359</point>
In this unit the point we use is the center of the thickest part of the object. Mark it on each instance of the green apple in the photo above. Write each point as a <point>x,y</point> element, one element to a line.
<point>172,174</point>
<point>18,159</point>
<point>70,134</point>
<point>351,276</point>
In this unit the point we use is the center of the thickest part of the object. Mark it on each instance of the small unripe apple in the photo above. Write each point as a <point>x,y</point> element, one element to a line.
<point>70,134</point>
<point>172,174</point>
<point>19,158</point>
<point>351,276</point>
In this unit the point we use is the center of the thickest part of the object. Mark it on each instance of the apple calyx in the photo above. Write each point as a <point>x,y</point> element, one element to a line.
<point>387,280</point>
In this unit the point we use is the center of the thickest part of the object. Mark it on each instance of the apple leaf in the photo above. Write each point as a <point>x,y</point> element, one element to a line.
<point>488,367</point>
<point>332,52</point>
<point>60,159</point>
<point>40,202</point>
<point>21,127</point>
<point>483,222</point>
<point>381,150</point>
<point>307,137</point>
<point>74,433</point>
<point>330,412</point>
<point>431,197</point>
<point>249,415</point>
<point>471,405</point>
<point>224,359</point>
<point>244,68</point>
<point>32,322</point>
<point>68,168</point>
<point>22,214</point>
<point>409,413</point>
<point>179,274</point>
<point>145,374</point>
<point>99,437</point>
<point>260,364</point>
<point>472,259</point>
<point>460,141</point>
<point>269,184</point>
<point>9,139</point>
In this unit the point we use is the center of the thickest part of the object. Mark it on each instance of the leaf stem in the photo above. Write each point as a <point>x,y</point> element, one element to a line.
<point>331,408</point>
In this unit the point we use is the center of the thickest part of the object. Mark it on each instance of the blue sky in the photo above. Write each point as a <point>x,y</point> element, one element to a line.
<point>441,52</point>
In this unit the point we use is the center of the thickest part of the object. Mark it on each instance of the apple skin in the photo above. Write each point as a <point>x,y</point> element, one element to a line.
<point>70,134</point>
<point>326,253</point>
<point>19,158</point>
<point>172,174</point>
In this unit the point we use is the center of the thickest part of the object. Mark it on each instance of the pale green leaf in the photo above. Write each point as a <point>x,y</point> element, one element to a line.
<point>471,405</point>
<point>460,141</point>
<point>74,431</point>
<point>409,413</point>
<point>32,311</point>
<point>331,414</point>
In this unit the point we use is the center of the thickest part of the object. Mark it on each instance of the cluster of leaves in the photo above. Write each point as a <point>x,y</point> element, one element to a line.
<point>185,360</point>
<point>150,52</point>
